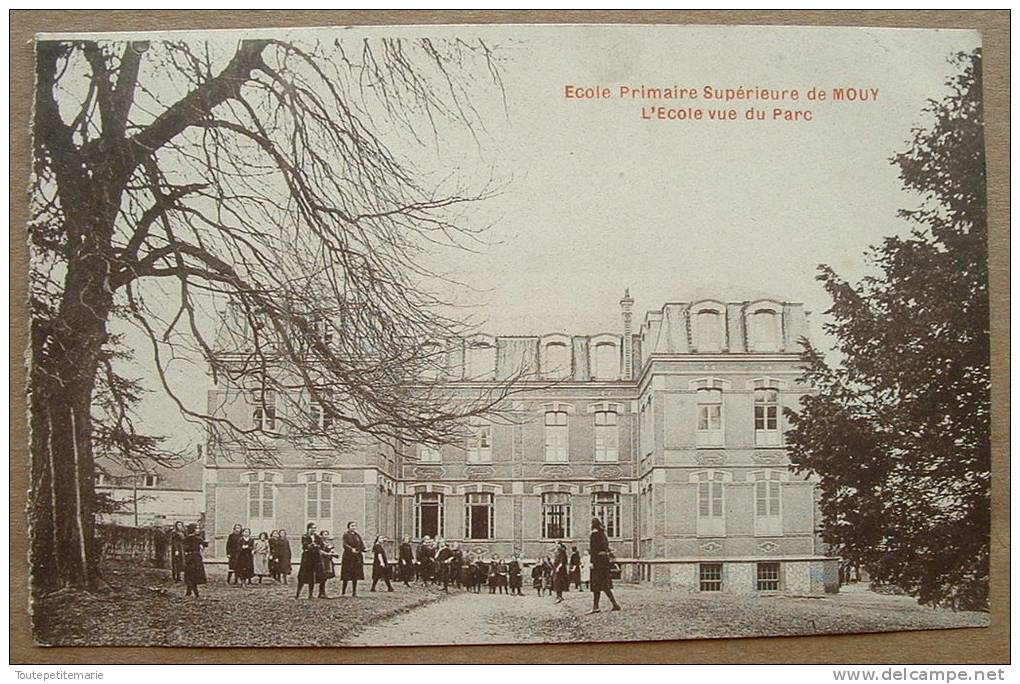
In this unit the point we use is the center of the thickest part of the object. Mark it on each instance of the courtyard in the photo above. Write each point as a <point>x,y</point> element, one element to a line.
<point>144,607</point>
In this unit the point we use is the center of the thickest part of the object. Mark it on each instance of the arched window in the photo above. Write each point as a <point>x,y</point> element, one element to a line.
<point>606,507</point>
<point>481,360</point>
<point>764,330</point>
<point>480,443</point>
<point>428,514</point>
<point>556,515</point>
<point>708,330</point>
<point>710,417</point>
<point>478,515</point>
<point>319,499</point>
<point>766,416</point>
<point>557,438</point>
<point>607,436</point>
<point>607,362</point>
<point>261,500</point>
<point>768,521</point>
<point>557,360</point>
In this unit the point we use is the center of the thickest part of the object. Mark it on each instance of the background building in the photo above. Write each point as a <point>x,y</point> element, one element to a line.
<point>158,497</point>
<point>671,433</point>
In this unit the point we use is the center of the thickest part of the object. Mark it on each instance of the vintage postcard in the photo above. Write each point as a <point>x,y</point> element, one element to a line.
<point>429,335</point>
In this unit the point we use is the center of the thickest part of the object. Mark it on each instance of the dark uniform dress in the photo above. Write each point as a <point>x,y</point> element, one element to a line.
<point>443,561</point>
<point>575,568</point>
<point>561,576</point>
<point>177,553</point>
<point>244,565</point>
<point>352,564</point>
<point>380,566</point>
<point>309,570</point>
<point>426,562</point>
<point>232,542</point>
<point>601,577</point>
<point>406,563</point>
<point>194,566</point>
<point>515,576</point>
<point>283,557</point>
<point>536,576</point>
<point>325,570</point>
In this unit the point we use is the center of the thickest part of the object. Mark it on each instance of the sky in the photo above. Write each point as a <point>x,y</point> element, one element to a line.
<point>594,199</point>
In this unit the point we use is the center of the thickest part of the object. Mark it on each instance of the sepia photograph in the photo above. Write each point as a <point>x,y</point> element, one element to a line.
<point>507,334</point>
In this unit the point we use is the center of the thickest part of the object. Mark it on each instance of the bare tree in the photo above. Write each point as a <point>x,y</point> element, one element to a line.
<point>244,204</point>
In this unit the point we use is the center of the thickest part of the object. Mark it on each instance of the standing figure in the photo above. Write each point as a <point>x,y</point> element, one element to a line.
<point>177,536</point>
<point>380,564</point>
<point>426,561</point>
<point>455,563</point>
<point>352,565</point>
<point>575,567</point>
<point>443,560</point>
<point>493,574</point>
<point>283,555</point>
<point>601,576</point>
<point>502,576</point>
<point>547,575</point>
<point>481,575</point>
<point>585,569</point>
<point>261,552</point>
<point>536,578</point>
<point>308,571</point>
<point>274,551</point>
<point>561,573</point>
<point>467,573</point>
<point>232,541</point>
<point>194,566</point>
<point>326,556</point>
<point>515,576</point>
<point>245,564</point>
<point>405,561</point>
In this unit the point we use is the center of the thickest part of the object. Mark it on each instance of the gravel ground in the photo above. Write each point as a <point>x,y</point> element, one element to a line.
<point>145,608</point>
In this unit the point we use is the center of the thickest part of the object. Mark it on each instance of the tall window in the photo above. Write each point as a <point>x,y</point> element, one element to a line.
<point>764,332</point>
<point>480,443</point>
<point>321,420</point>
<point>607,436</point>
<point>428,454</point>
<point>261,500</point>
<point>428,514</point>
<point>710,426</point>
<point>708,331</point>
<point>478,516</point>
<point>606,507</point>
<point>481,361</point>
<point>711,511</point>
<point>319,498</point>
<point>150,480</point>
<point>556,515</point>
<point>607,362</point>
<point>768,577</point>
<point>263,415</point>
<point>556,436</point>
<point>766,417</point>
<point>767,503</point>
<point>557,360</point>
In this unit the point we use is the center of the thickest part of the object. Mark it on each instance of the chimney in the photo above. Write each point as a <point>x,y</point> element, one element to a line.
<point>626,307</point>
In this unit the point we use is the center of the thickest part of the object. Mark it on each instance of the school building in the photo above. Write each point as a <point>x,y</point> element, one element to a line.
<point>669,429</point>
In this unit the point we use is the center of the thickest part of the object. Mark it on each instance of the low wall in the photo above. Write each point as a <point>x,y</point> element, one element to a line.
<point>812,575</point>
<point>148,545</point>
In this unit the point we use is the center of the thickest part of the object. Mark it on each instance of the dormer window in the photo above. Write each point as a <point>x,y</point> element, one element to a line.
<point>320,418</point>
<point>763,330</point>
<point>607,362</point>
<point>481,361</point>
<point>708,330</point>
<point>556,360</point>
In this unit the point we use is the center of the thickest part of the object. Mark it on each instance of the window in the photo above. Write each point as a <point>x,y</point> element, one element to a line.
<point>768,577</point>
<point>480,443</point>
<point>710,576</point>
<point>647,428</point>
<point>428,514</point>
<point>481,361</point>
<point>606,507</point>
<point>556,515</point>
<point>708,332</point>
<point>319,498</point>
<point>710,429</point>
<point>261,495</point>
<point>764,330</point>
<point>556,436</point>
<point>607,362</point>
<point>102,479</point>
<point>263,416</point>
<point>711,512</point>
<point>766,417</point>
<point>607,436</point>
<point>478,513</point>
<point>149,480</point>
<point>321,420</point>
<point>557,360</point>
<point>767,503</point>
<point>429,454</point>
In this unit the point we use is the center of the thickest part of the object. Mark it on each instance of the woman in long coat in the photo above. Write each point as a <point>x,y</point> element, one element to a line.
<point>601,576</point>
<point>575,567</point>
<point>309,570</point>
<point>194,566</point>
<point>232,541</point>
<point>274,550</point>
<point>325,562</point>
<point>352,564</point>
<point>244,568</point>
<point>405,561</point>
<point>561,574</point>
<point>261,556</point>
<point>380,564</point>
<point>177,550</point>
<point>283,555</point>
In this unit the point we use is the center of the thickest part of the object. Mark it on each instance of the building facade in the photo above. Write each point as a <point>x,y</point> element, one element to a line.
<point>670,432</point>
<point>159,497</point>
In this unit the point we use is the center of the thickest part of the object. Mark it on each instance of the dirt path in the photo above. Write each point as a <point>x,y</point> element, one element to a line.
<point>467,618</point>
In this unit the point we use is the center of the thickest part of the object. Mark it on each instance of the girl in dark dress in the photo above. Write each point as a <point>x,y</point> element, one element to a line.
<point>193,565</point>
<point>536,578</point>
<point>274,550</point>
<point>601,576</point>
<point>308,571</point>
<point>405,561</point>
<point>232,541</point>
<point>177,550</point>
<point>326,556</point>
<point>515,576</point>
<point>575,567</point>
<point>352,564</point>
<point>244,568</point>
<point>380,564</point>
<point>283,568</point>
<point>561,574</point>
